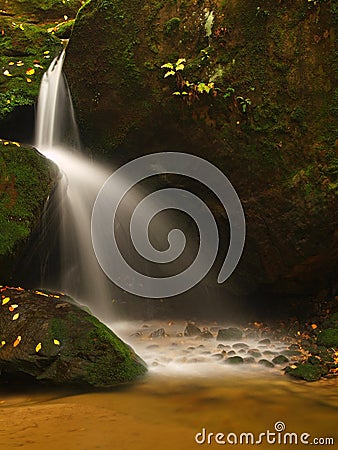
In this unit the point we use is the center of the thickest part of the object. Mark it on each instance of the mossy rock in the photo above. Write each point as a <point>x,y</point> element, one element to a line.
<point>229,334</point>
<point>49,339</point>
<point>26,50</point>
<point>41,10</point>
<point>328,337</point>
<point>307,372</point>
<point>26,180</point>
<point>331,321</point>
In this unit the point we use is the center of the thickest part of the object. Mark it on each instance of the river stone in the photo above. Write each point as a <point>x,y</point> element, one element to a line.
<point>234,360</point>
<point>206,334</point>
<point>264,342</point>
<point>255,353</point>
<point>67,346</point>
<point>229,334</point>
<point>280,359</point>
<point>249,360</point>
<point>26,180</point>
<point>192,330</point>
<point>160,333</point>
<point>265,363</point>
<point>132,103</point>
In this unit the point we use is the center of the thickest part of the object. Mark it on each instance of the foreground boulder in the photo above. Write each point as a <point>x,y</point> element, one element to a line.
<point>48,338</point>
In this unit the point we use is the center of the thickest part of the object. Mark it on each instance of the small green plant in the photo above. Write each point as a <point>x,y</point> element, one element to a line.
<point>228,92</point>
<point>244,103</point>
<point>175,68</point>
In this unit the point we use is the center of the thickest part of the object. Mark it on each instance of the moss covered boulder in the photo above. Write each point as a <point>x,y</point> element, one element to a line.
<point>328,337</point>
<point>26,181</point>
<point>248,85</point>
<point>307,372</point>
<point>48,338</point>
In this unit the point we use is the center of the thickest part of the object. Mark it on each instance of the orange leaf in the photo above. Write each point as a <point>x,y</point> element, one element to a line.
<point>17,341</point>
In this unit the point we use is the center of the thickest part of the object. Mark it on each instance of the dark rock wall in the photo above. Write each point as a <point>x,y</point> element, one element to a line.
<point>268,120</point>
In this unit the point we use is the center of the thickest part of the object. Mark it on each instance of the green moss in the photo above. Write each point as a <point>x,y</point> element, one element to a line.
<point>328,337</point>
<point>331,322</point>
<point>26,179</point>
<point>171,25</point>
<point>307,372</point>
<point>24,47</point>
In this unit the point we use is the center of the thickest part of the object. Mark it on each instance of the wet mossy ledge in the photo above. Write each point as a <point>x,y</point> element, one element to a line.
<point>47,338</point>
<point>27,179</point>
<point>31,33</point>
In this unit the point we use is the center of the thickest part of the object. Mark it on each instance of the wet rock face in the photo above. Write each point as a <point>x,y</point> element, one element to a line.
<point>26,181</point>
<point>48,338</point>
<point>267,127</point>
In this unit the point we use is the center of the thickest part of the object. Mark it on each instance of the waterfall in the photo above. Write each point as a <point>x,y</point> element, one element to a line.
<point>57,138</point>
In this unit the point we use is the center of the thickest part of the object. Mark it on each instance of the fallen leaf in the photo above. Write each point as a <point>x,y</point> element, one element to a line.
<point>46,52</point>
<point>16,316</point>
<point>11,63</point>
<point>41,293</point>
<point>3,343</point>
<point>30,71</point>
<point>56,342</point>
<point>17,341</point>
<point>28,80</point>
<point>314,326</point>
<point>7,74</point>
<point>20,63</point>
<point>6,299</point>
<point>38,347</point>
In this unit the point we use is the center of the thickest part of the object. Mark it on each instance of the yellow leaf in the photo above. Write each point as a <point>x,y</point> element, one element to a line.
<point>28,80</point>
<point>6,143</point>
<point>16,143</point>
<point>20,63</point>
<point>11,63</point>
<point>56,342</point>
<point>17,341</point>
<point>3,343</point>
<point>46,52</point>
<point>21,27</point>
<point>16,316</point>
<point>30,71</point>
<point>14,306</point>
<point>38,347</point>
<point>41,293</point>
<point>6,299</point>
<point>7,74</point>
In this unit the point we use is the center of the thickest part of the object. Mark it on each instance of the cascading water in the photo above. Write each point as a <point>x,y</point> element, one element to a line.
<point>57,138</point>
